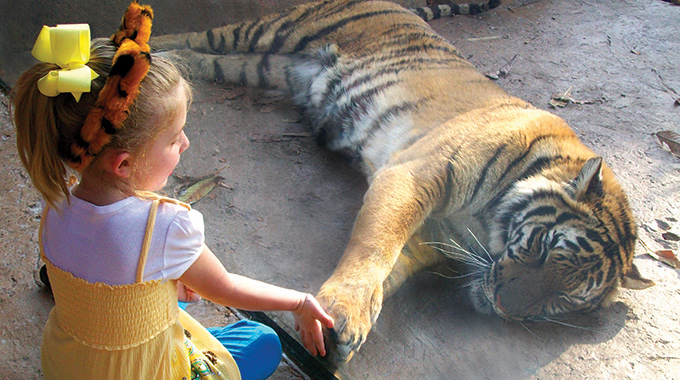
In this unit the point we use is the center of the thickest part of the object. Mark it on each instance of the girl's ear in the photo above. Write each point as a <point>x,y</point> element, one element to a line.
<point>120,164</point>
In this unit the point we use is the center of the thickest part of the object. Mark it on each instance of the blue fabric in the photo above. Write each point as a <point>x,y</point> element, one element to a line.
<point>255,347</point>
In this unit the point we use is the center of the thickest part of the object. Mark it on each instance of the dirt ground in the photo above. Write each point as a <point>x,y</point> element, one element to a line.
<point>286,207</point>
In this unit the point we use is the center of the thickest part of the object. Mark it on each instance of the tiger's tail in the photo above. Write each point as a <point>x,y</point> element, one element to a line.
<point>444,10</point>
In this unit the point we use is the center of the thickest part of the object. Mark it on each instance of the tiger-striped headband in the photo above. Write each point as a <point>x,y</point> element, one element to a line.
<point>130,65</point>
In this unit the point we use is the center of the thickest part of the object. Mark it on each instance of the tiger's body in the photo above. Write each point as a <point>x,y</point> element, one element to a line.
<point>449,156</point>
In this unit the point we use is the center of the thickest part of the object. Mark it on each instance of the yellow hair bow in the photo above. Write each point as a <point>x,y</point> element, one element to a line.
<point>69,47</point>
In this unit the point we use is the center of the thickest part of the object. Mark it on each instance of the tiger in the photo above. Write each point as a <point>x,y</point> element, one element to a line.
<point>457,168</point>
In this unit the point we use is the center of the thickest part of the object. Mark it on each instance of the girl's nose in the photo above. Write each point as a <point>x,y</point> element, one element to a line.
<point>185,143</point>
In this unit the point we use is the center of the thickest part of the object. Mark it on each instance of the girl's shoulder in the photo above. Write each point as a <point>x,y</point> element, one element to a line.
<point>172,212</point>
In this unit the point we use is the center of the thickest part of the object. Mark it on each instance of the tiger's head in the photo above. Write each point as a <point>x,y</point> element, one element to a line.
<point>559,247</point>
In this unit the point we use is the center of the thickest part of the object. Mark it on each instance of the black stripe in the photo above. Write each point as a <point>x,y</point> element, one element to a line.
<point>372,76</point>
<point>565,217</point>
<point>242,77</point>
<point>257,35</point>
<point>219,73</point>
<point>237,35</point>
<point>521,158</point>
<point>421,13</point>
<point>286,29</point>
<point>572,246</point>
<point>514,209</point>
<point>610,249</point>
<point>611,272</point>
<point>598,275</point>
<point>303,42</point>
<point>222,47</point>
<point>422,40</point>
<point>436,12</point>
<point>404,64</point>
<point>541,211</point>
<point>599,209</point>
<point>280,37</point>
<point>474,9</point>
<point>544,255</point>
<point>534,168</point>
<point>384,116</point>
<point>358,105</point>
<point>532,236</point>
<point>613,252</point>
<point>262,69</point>
<point>448,185</point>
<point>629,235</point>
<point>210,37</point>
<point>555,239</point>
<point>584,244</point>
<point>595,236</point>
<point>486,169</point>
<point>251,26</point>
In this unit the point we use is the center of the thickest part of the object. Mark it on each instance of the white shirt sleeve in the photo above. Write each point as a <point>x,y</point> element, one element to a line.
<point>183,243</point>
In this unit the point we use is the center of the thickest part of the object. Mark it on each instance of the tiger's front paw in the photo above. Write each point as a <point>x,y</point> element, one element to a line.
<point>355,307</point>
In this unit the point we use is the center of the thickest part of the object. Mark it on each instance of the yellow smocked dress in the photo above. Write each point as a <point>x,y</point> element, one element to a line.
<point>135,331</point>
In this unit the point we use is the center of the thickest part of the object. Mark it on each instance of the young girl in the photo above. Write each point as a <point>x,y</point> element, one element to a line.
<point>118,255</point>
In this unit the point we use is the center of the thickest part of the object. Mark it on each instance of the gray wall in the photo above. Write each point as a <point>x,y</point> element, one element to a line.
<point>21,21</point>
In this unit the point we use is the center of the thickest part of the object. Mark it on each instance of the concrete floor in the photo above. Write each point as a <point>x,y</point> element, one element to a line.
<point>289,207</point>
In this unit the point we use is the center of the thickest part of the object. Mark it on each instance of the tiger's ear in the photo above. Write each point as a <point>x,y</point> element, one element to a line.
<point>589,179</point>
<point>634,280</point>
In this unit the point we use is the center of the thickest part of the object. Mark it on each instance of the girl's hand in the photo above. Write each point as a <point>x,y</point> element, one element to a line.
<point>309,318</point>
<point>186,294</point>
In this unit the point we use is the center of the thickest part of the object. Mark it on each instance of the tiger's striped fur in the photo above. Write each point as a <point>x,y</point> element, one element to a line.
<point>450,158</point>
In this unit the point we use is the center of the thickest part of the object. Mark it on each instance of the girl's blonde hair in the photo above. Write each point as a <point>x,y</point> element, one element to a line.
<point>47,126</point>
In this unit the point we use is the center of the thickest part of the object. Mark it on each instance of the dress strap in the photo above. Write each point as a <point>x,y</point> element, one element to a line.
<point>40,231</point>
<point>151,221</point>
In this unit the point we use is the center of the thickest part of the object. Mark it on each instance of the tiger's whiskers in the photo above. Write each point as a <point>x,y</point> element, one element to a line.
<point>555,321</point>
<point>453,277</point>
<point>480,244</point>
<point>457,252</point>
<point>530,332</point>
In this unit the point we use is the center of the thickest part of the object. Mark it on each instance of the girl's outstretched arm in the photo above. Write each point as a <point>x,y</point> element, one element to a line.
<point>208,277</point>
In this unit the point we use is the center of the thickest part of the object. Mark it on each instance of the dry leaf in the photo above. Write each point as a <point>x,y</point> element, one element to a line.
<point>492,76</point>
<point>267,108</point>
<point>669,236</point>
<point>271,98</point>
<point>671,139</point>
<point>235,92</point>
<point>561,100</point>
<point>199,189</point>
<point>667,257</point>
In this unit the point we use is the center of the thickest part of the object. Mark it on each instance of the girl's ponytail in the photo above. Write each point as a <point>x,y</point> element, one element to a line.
<point>38,135</point>
<point>46,126</point>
